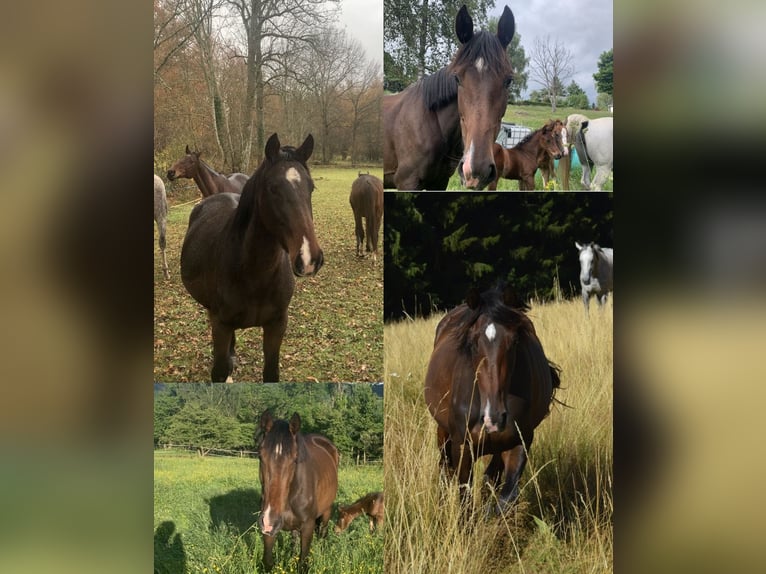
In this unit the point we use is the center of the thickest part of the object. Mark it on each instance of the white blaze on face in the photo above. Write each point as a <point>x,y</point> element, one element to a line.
<point>490,426</point>
<point>565,140</point>
<point>467,161</point>
<point>278,449</point>
<point>293,176</point>
<point>490,332</point>
<point>268,520</point>
<point>306,256</point>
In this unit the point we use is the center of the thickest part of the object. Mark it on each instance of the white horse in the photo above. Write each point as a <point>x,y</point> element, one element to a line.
<point>593,143</point>
<point>161,216</point>
<point>596,271</point>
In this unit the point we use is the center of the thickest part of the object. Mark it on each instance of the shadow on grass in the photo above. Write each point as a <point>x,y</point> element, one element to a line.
<point>169,553</point>
<point>236,510</point>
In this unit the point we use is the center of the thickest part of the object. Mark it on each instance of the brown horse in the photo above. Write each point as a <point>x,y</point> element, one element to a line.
<point>299,481</point>
<point>209,181</point>
<point>370,504</point>
<point>488,385</point>
<point>241,253</point>
<point>450,119</point>
<point>161,218</point>
<point>537,150</point>
<point>367,201</point>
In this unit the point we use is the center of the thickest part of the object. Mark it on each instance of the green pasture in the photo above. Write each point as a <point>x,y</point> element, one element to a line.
<point>205,510</point>
<point>335,325</point>
<point>535,117</point>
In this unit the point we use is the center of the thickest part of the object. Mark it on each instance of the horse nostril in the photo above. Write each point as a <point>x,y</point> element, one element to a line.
<point>492,172</point>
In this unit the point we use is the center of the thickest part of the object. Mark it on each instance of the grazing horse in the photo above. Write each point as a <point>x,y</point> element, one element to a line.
<point>299,481</point>
<point>161,217</point>
<point>488,386</point>
<point>451,118</point>
<point>596,272</point>
<point>367,201</point>
<point>209,181</point>
<point>241,253</point>
<point>593,142</point>
<point>370,504</point>
<point>536,150</point>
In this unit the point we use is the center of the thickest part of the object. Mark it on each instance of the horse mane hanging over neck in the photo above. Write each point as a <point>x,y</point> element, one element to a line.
<point>438,90</point>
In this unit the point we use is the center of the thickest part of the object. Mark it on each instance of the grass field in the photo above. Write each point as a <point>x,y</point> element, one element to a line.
<point>563,522</point>
<point>535,117</point>
<point>335,329</point>
<point>204,511</point>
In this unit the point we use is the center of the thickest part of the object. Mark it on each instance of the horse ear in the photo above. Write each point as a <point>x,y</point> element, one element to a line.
<point>579,247</point>
<point>303,153</point>
<point>295,423</point>
<point>464,25</point>
<point>266,421</point>
<point>506,28</point>
<point>272,147</point>
<point>188,151</point>
<point>472,298</point>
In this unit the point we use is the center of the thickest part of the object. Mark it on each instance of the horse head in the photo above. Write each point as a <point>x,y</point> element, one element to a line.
<point>278,456</point>
<point>483,73</point>
<point>491,338</point>
<point>588,262</point>
<point>284,188</point>
<point>186,167</point>
<point>554,139</point>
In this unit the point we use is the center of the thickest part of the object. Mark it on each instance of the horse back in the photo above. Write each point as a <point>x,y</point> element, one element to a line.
<point>367,197</point>
<point>324,459</point>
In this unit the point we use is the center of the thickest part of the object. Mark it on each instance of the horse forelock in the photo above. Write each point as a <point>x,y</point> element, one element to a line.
<point>485,46</point>
<point>497,312</point>
<point>280,441</point>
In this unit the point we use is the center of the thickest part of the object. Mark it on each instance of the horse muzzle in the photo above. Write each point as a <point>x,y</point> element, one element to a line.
<point>306,266</point>
<point>471,179</point>
<point>269,529</point>
<point>171,174</point>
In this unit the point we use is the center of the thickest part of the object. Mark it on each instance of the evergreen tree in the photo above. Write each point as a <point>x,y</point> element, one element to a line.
<point>576,97</point>
<point>604,77</point>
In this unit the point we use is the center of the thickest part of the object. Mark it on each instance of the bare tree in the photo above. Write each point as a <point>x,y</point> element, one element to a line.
<point>551,66</point>
<point>365,96</point>
<point>173,30</point>
<point>271,28</point>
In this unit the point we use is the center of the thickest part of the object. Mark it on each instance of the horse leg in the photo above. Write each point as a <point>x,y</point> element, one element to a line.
<point>223,349</point>
<point>324,521</point>
<point>161,227</point>
<point>268,552</point>
<point>585,301</point>
<point>359,231</point>
<point>307,533</point>
<point>600,178</point>
<point>463,454</point>
<point>273,334</point>
<point>445,449</point>
<point>514,460</point>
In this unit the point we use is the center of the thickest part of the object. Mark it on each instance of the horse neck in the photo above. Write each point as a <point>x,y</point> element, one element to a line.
<point>208,180</point>
<point>448,118</point>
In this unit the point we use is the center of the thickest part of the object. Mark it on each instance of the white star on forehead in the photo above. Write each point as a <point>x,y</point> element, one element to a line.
<point>490,332</point>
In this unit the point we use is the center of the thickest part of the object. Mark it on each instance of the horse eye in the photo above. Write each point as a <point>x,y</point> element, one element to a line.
<point>507,82</point>
<point>457,79</point>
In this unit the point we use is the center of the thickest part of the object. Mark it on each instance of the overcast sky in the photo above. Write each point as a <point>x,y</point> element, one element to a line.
<point>363,21</point>
<point>584,26</point>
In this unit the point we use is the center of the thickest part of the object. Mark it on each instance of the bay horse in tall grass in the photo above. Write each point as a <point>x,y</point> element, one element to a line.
<point>596,272</point>
<point>537,150</point>
<point>371,504</point>
<point>299,481</point>
<point>488,386</point>
<point>594,145</point>
<point>450,119</point>
<point>208,180</point>
<point>161,218</point>
<point>241,253</point>
<point>366,201</point>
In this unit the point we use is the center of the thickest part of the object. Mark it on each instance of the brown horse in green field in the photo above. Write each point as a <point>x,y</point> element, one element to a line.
<point>367,202</point>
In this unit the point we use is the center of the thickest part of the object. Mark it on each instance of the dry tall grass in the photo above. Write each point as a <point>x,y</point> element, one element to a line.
<point>563,522</point>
